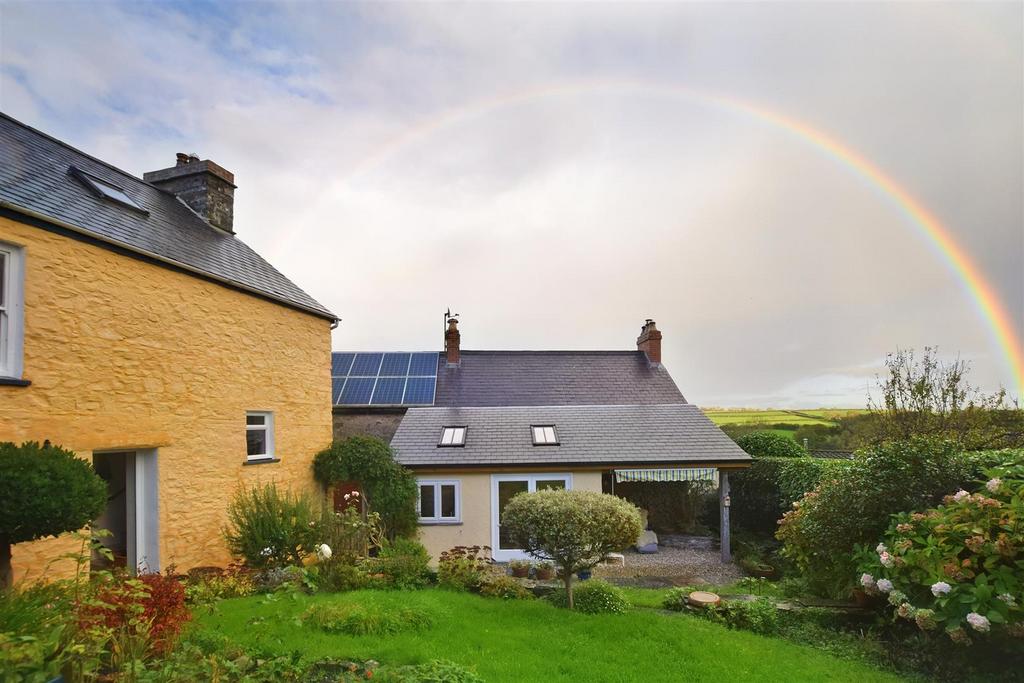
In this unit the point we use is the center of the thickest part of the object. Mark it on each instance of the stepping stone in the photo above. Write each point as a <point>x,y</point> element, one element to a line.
<point>703,599</point>
<point>614,559</point>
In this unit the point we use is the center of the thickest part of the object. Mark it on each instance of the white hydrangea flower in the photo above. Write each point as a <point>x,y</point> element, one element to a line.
<point>867,580</point>
<point>267,552</point>
<point>880,548</point>
<point>323,552</point>
<point>960,495</point>
<point>885,585</point>
<point>940,588</point>
<point>978,622</point>
<point>994,484</point>
<point>1008,599</point>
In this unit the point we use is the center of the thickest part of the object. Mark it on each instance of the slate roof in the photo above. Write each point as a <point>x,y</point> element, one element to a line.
<point>34,177</point>
<point>588,435</point>
<point>554,378</point>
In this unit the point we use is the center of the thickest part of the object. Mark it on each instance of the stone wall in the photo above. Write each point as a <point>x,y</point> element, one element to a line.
<point>124,354</point>
<point>379,423</point>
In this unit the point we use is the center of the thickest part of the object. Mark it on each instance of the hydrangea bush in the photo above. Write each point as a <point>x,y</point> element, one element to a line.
<point>958,567</point>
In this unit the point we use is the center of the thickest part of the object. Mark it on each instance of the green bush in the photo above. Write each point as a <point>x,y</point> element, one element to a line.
<point>573,529</point>
<point>404,564</point>
<point>676,598</point>
<point>770,445</point>
<point>821,531</point>
<point>760,616</point>
<point>463,568</point>
<point>359,619</point>
<point>434,671</point>
<point>270,529</point>
<point>388,488</point>
<point>958,567</point>
<point>44,491</point>
<point>504,587</point>
<point>593,597</point>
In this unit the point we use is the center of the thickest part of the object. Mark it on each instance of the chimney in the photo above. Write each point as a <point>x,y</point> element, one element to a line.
<point>206,187</point>
<point>451,342</point>
<point>649,342</point>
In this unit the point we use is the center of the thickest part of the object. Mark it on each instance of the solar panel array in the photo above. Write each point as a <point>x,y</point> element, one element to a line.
<point>383,379</point>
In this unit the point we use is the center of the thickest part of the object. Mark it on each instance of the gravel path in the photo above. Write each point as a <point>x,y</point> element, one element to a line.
<point>671,566</point>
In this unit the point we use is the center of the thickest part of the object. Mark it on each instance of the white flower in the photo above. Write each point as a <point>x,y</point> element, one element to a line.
<point>994,484</point>
<point>1008,599</point>
<point>940,588</point>
<point>880,548</point>
<point>867,580</point>
<point>884,585</point>
<point>960,495</point>
<point>323,552</point>
<point>886,559</point>
<point>978,622</point>
<point>267,552</point>
<point>347,496</point>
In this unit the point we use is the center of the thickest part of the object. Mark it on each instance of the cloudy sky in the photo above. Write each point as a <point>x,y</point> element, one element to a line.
<point>556,173</point>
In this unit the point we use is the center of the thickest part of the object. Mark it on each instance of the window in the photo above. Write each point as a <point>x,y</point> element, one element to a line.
<point>11,307</point>
<point>544,435</point>
<point>105,190</point>
<point>259,435</point>
<point>452,436</point>
<point>440,502</point>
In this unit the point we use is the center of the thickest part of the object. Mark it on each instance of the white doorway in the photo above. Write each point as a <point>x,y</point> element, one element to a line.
<point>503,488</point>
<point>132,512</point>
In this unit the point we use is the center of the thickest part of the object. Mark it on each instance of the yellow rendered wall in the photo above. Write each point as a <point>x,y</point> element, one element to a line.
<point>475,528</point>
<point>124,354</point>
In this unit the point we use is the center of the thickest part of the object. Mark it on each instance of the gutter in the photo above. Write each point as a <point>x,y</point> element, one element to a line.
<point>177,265</point>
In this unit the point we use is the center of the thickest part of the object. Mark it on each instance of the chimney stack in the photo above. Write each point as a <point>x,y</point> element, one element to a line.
<point>649,342</point>
<point>451,342</point>
<point>206,187</point>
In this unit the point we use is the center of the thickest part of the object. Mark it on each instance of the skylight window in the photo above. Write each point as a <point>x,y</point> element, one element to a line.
<point>105,190</point>
<point>544,435</point>
<point>453,436</point>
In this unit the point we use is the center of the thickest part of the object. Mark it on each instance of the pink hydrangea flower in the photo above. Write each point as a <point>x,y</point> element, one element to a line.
<point>994,484</point>
<point>884,585</point>
<point>940,588</point>
<point>960,495</point>
<point>978,622</point>
<point>867,581</point>
<point>886,559</point>
<point>880,548</point>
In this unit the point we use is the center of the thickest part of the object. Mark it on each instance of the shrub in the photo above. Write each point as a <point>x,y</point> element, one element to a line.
<point>593,597</point>
<point>823,528</point>
<point>365,619</point>
<point>770,445</point>
<point>957,567</point>
<point>676,599</point>
<point>209,586</point>
<point>434,671</point>
<point>270,529</point>
<point>44,491</point>
<point>504,587</point>
<point>573,529</point>
<point>463,568</point>
<point>760,616</point>
<point>403,564</point>
<point>388,488</point>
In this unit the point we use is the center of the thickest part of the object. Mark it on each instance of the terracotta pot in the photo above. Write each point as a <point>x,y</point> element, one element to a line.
<point>861,598</point>
<point>544,574</point>
<point>520,572</point>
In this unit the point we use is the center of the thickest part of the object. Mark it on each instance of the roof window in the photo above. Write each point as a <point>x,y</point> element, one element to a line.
<point>105,190</point>
<point>453,436</point>
<point>544,435</point>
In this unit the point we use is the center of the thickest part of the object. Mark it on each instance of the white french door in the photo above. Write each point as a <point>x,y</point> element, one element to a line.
<point>503,488</point>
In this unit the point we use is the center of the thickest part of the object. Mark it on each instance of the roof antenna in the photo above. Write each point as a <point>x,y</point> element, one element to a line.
<point>447,316</point>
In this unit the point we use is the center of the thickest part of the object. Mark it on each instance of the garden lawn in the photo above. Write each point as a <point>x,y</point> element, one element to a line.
<point>531,641</point>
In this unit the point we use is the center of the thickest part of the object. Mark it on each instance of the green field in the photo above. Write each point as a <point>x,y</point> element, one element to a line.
<point>743,416</point>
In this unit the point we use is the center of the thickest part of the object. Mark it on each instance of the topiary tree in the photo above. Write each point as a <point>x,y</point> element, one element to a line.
<point>573,529</point>
<point>388,488</point>
<point>770,445</point>
<point>44,491</point>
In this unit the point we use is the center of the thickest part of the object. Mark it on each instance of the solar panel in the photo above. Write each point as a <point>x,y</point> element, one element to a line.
<point>389,391</point>
<point>357,391</point>
<point>395,365</point>
<point>336,385</point>
<point>423,364</point>
<point>420,390</point>
<point>366,364</point>
<point>340,363</point>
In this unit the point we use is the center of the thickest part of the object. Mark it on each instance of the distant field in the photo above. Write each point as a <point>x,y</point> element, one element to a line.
<point>728,416</point>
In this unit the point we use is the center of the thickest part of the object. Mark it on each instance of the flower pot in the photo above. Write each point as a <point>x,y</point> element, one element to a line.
<point>521,572</point>
<point>544,574</point>
<point>762,571</point>
<point>583,575</point>
<point>861,597</point>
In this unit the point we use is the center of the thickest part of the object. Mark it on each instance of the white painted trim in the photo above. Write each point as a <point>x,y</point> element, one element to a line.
<point>437,484</point>
<point>142,509</point>
<point>510,554</point>
<point>268,426</point>
<point>12,347</point>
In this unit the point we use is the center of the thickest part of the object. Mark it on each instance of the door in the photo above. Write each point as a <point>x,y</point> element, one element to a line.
<point>132,512</point>
<point>503,488</point>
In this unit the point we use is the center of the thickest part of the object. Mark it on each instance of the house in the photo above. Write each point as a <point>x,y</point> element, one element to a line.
<point>139,331</point>
<point>478,427</point>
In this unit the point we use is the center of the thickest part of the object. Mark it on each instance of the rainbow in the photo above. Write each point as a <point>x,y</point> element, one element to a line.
<point>984,296</point>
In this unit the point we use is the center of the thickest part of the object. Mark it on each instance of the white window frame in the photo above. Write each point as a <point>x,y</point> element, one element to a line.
<point>437,484</point>
<point>268,426</point>
<point>544,433</point>
<point>12,309</point>
<point>455,430</point>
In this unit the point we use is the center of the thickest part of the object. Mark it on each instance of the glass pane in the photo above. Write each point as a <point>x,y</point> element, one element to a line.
<point>460,435</point>
<point>255,419</point>
<point>426,500</point>
<point>538,435</point>
<point>447,436</point>
<point>549,435</point>
<point>552,484</point>
<point>256,441</point>
<point>448,500</point>
<point>506,490</point>
<point>3,279</point>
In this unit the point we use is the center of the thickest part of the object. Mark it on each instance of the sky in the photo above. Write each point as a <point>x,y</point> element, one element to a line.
<point>558,172</point>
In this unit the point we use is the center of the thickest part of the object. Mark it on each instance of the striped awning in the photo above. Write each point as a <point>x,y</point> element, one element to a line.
<point>688,474</point>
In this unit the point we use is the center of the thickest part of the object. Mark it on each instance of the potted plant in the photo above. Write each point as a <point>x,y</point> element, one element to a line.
<point>520,568</point>
<point>544,571</point>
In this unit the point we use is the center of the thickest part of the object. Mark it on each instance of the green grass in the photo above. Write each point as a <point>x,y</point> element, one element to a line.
<point>725,416</point>
<point>533,641</point>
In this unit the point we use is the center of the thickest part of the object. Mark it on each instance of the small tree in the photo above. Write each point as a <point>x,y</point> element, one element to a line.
<point>388,488</point>
<point>44,491</point>
<point>573,529</point>
<point>770,445</point>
